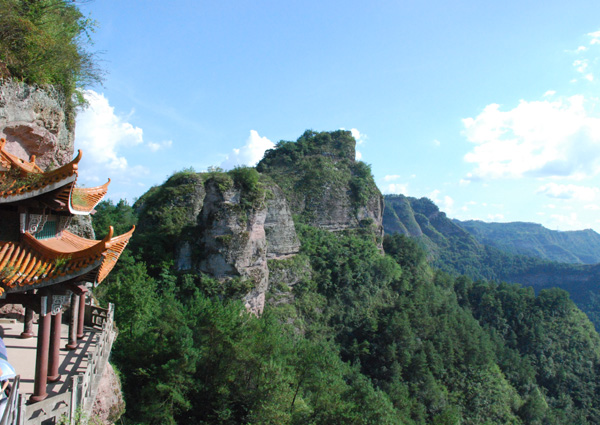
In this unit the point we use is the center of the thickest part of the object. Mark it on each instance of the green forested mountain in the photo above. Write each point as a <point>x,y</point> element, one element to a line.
<point>348,335</point>
<point>534,240</point>
<point>454,249</point>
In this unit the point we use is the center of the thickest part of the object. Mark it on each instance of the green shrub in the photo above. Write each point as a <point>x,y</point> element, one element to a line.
<point>45,42</point>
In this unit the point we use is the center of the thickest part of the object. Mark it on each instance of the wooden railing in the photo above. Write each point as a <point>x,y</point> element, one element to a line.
<point>80,396</point>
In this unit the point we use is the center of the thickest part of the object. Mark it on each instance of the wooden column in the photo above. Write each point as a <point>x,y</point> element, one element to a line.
<point>28,324</point>
<point>81,315</point>
<point>72,345</point>
<point>41,358</point>
<point>54,359</point>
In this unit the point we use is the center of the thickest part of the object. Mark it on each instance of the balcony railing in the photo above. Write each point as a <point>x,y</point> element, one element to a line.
<point>80,396</point>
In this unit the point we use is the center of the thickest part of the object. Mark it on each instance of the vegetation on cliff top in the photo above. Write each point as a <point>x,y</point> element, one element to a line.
<point>46,43</point>
<point>319,167</point>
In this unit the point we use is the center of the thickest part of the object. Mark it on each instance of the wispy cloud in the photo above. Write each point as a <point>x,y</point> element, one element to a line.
<point>594,37</point>
<point>446,203</point>
<point>153,146</point>
<point>396,189</point>
<point>569,191</point>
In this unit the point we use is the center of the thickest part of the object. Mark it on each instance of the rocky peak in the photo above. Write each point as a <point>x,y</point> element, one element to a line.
<point>323,183</point>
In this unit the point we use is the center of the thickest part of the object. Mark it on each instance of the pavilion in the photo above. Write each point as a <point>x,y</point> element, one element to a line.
<point>44,266</point>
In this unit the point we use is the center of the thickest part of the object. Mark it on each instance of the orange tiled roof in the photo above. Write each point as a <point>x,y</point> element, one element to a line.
<point>34,263</point>
<point>26,179</point>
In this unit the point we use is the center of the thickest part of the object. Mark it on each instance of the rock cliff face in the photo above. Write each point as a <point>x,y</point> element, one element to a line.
<point>214,225</point>
<point>233,243</point>
<point>280,233</point>
<point>33,122</point>
<point>109,404</point>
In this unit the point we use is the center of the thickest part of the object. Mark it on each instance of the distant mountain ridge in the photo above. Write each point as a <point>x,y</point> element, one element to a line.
<point>577,247</point>
<point>422,219</point>
<point>452,248</point>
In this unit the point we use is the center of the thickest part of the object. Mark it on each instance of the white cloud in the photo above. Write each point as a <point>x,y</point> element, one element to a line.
<point>358,155</point>
<point>550,93</point>
<point>595,37</point>
<point>581,49</point>
<point>446,204</point>
<point>436,142</point>
<point>250,153</point>
<point>101,133</point>
<point>153,146</point>
<point>391,177</point>
<point>566,222</point>
<point>592,207</point>
<point>581,65</point>
<point>539,138</point>
<point>569,191</point>
<point>495,217</point>
<point>358,136</point>
<point>396,188</point>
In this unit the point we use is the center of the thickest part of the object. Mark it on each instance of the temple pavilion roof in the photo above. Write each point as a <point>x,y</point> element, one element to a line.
<point>22,180</point>
<point>32,263</point>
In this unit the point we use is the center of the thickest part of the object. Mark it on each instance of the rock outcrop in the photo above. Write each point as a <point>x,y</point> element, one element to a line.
<point>232,241</point>
<point>213,224</point>
<point>33,122</point>
<point>109,404</point>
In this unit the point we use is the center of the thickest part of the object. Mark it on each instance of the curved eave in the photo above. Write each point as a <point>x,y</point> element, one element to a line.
<point>32,263</point>
<point>7,197</point>
<point>46,182</point>
<point>43,280</point>
<point>115,248</point>
<point>87,198</point>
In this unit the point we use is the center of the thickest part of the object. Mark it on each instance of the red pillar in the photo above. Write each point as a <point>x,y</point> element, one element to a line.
<point>41,358</point>
<point>54,359</point>
<point>81,315</point>
<point>72,345</point>
<point>28,324</point>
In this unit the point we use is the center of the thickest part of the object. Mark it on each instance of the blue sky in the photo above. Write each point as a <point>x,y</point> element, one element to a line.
<point>490,109</point>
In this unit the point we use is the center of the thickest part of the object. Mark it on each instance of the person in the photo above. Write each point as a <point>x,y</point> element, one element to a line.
<point>3,395</point>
